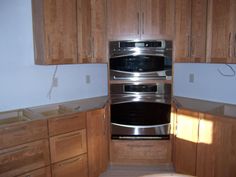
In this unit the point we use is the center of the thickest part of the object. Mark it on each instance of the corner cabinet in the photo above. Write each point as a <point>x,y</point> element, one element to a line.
<point>205,144</point>
<point>140,19</point>
<point>191,30</point>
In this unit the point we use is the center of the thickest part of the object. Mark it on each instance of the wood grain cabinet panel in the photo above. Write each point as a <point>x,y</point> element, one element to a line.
<point>21,133</point>
<point>97,138</point>
<point>65,124</point>
<point>216,152</point>
<point>21,159</point>
<point>68,145</point>
<point>75,167</point>
<point>141,19</point>
<point>191,30</point>
<point>43,172</point>
<point>187,123</point>
<point>55,31</point>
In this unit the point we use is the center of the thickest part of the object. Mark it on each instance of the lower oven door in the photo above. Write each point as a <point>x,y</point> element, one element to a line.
<point>140,120</point>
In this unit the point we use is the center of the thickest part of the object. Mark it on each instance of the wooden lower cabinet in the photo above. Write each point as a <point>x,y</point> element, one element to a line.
<point>68,145</point>
<point>42,172</point>
<point>75,167</point>
<point>216,152</point>
<point>21,159</point>
<point>141,152</point>
<point>186,141</point>
<point>97,138</point>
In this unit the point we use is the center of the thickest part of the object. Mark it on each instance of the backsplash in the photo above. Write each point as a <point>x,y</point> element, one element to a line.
<point>24,84</point>
<point>213,82</point>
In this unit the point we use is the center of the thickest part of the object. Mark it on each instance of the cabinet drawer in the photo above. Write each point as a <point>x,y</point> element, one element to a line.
<point>71,168</point>
<point>23,133</point>
<point>68,145</point>
<point>66,124</point>
<point>42,172</point>
<point>24,158</point>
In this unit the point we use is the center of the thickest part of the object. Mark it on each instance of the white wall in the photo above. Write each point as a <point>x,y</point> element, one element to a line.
<point>24,84</point>
<point>208,83</point>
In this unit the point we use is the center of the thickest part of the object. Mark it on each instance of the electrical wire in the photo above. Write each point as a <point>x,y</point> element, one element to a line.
<point>227,75</point>
<point>49,94</point>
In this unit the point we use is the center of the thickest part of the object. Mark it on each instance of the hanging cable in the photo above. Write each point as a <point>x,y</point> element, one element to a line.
<point>49,94</point>
<point>227,75</point>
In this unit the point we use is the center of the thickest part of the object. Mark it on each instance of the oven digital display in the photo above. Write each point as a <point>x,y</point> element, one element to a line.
<point>139,44</point>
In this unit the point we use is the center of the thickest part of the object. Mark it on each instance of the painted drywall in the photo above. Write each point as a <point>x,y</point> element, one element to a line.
<point>208,84</point>
<point>24,84</point>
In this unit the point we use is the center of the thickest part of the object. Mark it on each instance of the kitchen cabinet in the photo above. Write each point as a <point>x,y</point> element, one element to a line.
<point>140,19</point>
<point>55,31</point>
<point>97,138</point>
<point>191,30</point>
<point>42,172</point>
<point>185,143</point>
<point>221,40</point>
<point>216,152</point>
<point>74,167</point>
<point>23,158</point>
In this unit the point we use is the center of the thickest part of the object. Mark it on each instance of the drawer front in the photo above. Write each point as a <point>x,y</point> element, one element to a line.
<point>23,133</point>
<point>24,158</point>
<point>42,172</point>
<point>68,145</point>
<point>75,167</point>
<point>67,124</point>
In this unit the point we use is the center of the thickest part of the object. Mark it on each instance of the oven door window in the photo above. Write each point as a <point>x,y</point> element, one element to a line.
<point>141,63</point>
<point>140,113</point>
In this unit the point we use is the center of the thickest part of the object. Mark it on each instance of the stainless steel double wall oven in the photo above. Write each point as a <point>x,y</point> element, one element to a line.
<point>140,89</point>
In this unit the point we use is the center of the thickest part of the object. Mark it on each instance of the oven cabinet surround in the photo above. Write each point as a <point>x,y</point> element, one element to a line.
<point>69,32</point>
<point>204,144</point>
<point>68,146</point>
<point>190,30</point>
<point>140,19</point>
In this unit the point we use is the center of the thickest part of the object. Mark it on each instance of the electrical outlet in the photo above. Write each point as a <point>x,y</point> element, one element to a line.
<point>191,78</point>
<point>87,79</point>
<point>55,82</point>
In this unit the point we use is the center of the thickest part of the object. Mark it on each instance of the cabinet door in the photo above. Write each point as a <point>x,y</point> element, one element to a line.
<point>233,23</point>
<point>216,154</point>
<point>183,31</point>
<point>24,158</point>
<point>68,145</point>
<point>186,142</point>
<point>97,142</point>
<point>22,133</point>
<point>42,172</point>
<point>99,31</point>
<point>55,31</point>
<point>75,167</point>
<point>198,31</point>
<point>157,19</point>
<point>124,19</point>
<point>219,32</point>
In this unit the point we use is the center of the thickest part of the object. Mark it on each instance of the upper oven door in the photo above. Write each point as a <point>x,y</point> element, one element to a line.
<point>140,67</point>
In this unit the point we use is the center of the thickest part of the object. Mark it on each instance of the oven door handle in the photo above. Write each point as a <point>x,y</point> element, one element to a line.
<point>139,126</point>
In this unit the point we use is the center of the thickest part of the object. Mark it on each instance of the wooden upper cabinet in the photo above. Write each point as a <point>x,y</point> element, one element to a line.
<point>55,31</point>
<point>191,30</point>
<point>124,19</point>
<point>220,31</point>
<point>157,18</point>
<point>141,19</point>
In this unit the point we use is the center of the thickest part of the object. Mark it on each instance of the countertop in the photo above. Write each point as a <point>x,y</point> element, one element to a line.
<point>51,110</point>
<point>209,107</point>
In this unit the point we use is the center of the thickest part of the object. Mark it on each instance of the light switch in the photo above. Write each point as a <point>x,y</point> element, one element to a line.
<point>191,78</point>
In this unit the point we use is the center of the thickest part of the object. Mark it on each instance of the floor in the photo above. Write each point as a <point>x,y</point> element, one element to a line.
<point>140,171</point>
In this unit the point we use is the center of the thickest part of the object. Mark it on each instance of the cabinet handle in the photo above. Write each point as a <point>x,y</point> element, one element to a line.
<point>14,150</point>
<point>49,46</point>
<point>104,123</point>
<point>189,45</point>
<point>138,22</point>
<point>229,46</point>
<point>70,161</point>
<point>143,23</point>
<point>235,45</point>
<point>93,52</point>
